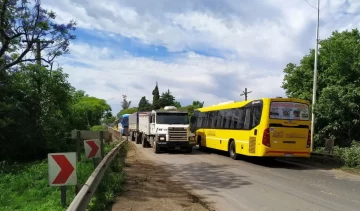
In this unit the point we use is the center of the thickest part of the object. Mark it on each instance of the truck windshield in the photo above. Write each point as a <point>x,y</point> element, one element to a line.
<point>172,118</point>
<point>289,111</point>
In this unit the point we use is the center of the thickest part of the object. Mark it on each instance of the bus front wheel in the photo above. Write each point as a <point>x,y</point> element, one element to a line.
<point>232,151</point>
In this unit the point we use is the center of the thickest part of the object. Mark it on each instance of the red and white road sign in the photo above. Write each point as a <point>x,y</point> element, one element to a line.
<point>62,169</point>
<point>92,148</point>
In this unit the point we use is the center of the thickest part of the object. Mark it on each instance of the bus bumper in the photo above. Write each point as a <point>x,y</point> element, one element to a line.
<point>286,153</point>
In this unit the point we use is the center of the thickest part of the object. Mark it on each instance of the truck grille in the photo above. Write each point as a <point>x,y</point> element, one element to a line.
<point>177,134</point>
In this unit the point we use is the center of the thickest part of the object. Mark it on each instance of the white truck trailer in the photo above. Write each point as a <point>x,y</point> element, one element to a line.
<point>133,125</point>
<point>163,129</point>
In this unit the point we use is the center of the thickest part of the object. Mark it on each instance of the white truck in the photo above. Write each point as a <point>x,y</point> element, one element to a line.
<point>162,129</point>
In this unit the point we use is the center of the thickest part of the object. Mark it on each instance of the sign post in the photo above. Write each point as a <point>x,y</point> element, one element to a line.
<point>62,171</point>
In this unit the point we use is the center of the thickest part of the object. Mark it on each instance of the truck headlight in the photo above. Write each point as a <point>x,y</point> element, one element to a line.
<point>161,138</point>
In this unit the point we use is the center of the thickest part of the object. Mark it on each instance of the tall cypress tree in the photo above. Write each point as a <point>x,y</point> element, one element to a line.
<point>156,98</point>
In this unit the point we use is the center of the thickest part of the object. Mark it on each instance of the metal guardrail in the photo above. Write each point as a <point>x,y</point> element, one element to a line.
<point>82,199</point>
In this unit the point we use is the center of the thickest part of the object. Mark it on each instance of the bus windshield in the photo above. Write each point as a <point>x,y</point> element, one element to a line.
<point>172,118</point>
<point>289,111</point>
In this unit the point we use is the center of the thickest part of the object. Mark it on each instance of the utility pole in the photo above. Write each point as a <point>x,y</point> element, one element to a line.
<point>38,48</point>
<point>245,93</point>
<point>315,78</point>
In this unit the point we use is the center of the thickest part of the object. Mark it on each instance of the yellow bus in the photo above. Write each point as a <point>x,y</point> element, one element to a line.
<point>268,127</point>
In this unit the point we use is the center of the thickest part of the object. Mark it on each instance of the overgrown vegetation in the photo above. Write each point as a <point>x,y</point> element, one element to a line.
<point>337,107</point>
<point>112,184</point>
<point>39,107</point>
<point>25,186</point>
<point>99,128</point>
<point>349,156</point>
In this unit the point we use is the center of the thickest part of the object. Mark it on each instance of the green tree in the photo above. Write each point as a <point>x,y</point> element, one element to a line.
<point>125,104</point>
<point>156,104</point>
<point>190,108</point>
<point>90,111</point>
<point>108,120</point>
<point>198,104</point>
<point>167,99</point>
<point>338,94</point>
<point>127,111</point>
<point>40,114</point>
<point>22,24</point>
<point>177,104</point>
<point>144,105</point>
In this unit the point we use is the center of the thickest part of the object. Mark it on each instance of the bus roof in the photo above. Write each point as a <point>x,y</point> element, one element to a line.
<point>125,115</point>
<point>242,103</point>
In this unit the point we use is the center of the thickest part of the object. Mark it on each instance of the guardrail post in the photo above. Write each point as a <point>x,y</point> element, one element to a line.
<point>78,139</point>
<point>102,143</point>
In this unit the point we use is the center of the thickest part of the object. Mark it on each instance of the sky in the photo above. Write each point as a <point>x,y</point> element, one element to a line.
<point>206,50</point>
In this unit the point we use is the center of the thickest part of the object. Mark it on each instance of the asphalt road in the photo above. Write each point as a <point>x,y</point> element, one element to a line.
<point>226,184</point>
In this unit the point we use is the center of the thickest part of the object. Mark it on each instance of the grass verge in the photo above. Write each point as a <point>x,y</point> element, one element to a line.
<point>25,186</point>
<point>346,159</point>
<point>112,184</point>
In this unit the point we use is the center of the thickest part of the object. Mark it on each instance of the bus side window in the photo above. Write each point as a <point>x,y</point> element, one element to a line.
<point>199,119</point>
<point>235,118</point>
<point>247,120</point>
<point>205,121</point>
<point>256,113</point>
<point>241,116</point>
<point>214,119</point>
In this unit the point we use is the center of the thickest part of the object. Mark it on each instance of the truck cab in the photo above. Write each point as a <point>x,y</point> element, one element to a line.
<point>169,128</point>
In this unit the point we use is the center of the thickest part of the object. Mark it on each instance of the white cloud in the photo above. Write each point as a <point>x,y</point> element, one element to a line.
<point>257,38</point>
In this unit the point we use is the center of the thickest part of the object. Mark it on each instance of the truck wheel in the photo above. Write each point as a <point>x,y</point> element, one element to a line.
<point>132,134</point>
<point>156,147</point>
<point>151,141</point>
<point>148,141</point>
<point>232,151</point>
<point>138,138</point>
<point>143,141</point>
<point>202,148</point>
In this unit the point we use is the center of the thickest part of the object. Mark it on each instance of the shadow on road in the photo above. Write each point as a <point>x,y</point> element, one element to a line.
<point>208,176</point>
<point>285,163</point>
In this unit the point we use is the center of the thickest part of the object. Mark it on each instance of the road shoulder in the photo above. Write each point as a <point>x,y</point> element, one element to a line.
<point>148,187</point>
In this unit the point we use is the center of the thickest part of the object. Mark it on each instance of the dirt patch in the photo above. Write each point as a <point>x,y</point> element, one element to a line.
<point>148,188</point>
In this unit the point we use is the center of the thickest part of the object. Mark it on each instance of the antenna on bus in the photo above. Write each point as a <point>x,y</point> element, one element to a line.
<point>245,93</point>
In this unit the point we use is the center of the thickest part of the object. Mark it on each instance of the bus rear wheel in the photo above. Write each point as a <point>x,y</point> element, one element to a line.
<point>232,151</point>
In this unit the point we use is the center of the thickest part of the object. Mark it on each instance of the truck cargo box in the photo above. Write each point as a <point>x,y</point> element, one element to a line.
<point>133,122</point>
<point>144,122</point>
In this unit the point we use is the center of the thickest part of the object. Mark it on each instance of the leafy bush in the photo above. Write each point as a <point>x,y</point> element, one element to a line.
<point>112,184</point>
<point>349,156</point>
<point>25,186</point>
<point>98,128</point>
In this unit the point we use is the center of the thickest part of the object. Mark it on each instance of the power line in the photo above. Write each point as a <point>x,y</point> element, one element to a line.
<point>310,4</point>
